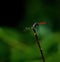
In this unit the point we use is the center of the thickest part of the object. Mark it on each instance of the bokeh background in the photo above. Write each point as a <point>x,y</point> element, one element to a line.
<point>18,44</point>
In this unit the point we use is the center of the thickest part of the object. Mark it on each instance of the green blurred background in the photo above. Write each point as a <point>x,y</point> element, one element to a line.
<point>18,44</point>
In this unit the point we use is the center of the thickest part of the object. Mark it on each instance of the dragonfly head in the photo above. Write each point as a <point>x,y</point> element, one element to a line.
<point>35,25</point>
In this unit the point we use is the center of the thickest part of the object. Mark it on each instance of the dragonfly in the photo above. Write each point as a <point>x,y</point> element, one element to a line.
<point>34,26</point>
<point>37,40</point>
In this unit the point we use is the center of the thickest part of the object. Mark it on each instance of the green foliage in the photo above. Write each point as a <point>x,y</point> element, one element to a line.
<point>22,52</point>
